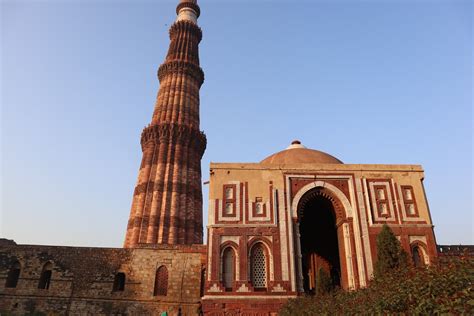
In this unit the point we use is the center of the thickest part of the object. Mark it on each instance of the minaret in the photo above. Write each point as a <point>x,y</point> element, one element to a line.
<point>167,202</point>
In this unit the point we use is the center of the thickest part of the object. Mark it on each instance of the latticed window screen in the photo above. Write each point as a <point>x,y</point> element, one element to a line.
<point>161,281</point>
<point>228,268</point>
<point>258,268</point>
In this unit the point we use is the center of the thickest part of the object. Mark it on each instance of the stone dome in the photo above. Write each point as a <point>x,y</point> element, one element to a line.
<point>297,153</point>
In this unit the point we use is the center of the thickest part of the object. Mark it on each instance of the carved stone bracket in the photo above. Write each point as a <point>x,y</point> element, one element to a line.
<point>181,67</point>
<point>174,133</point>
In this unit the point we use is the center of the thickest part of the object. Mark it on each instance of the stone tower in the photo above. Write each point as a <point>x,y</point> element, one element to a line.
<point>167,201</point>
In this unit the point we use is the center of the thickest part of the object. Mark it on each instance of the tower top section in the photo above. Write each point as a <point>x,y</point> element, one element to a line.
<point>188,10</point>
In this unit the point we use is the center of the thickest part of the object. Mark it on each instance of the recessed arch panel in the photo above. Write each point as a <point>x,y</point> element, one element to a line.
<point>342,205</point>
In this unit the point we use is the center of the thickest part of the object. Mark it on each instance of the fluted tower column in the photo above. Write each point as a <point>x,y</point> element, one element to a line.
<point>167,202</point>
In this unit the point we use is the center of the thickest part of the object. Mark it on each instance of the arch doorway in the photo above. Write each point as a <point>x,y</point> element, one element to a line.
<point>320,262</point>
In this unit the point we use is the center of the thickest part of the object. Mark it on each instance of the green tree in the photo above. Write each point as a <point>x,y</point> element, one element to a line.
<point>390,254</point>
<point>324,282</point>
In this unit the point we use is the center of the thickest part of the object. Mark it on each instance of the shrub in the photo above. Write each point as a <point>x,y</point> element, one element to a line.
<point>323,283</point>
<point>390,254</point>
<point>445,287</point>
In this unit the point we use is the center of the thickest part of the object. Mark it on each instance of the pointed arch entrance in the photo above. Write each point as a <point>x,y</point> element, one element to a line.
<point>321,267</point>
<point>322,215</point>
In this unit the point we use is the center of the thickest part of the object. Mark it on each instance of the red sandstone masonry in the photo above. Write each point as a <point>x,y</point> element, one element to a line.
<point>167,202</point>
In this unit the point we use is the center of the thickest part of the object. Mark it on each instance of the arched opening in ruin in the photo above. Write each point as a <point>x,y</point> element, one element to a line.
<point>13,275</point>
<point>45,277</point>
<point>319,243</point>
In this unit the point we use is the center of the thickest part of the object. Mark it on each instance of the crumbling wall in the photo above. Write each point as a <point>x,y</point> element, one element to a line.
<point>82,280</point>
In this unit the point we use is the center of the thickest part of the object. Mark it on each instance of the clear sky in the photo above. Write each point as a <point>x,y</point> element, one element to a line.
<point>366,81</point>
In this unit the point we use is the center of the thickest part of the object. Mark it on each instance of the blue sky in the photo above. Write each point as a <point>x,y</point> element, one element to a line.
<point>366,81</point>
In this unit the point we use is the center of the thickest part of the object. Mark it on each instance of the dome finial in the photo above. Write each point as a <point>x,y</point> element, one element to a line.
<point>296,153</point>
<point>295,144</point>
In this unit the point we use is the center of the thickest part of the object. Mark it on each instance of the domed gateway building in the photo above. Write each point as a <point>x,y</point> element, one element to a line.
<point>274,226</point>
